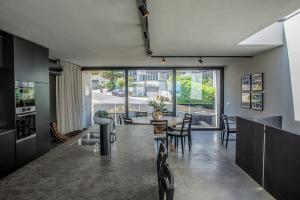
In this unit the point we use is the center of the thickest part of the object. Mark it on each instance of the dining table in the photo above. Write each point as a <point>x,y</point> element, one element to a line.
<point>172,121</point>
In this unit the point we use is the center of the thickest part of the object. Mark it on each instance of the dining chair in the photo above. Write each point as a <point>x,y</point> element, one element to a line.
<point>167,114</point>
<point>166,189</point>
<point>188,115</point>
<point>191,117</point>
<point>127,121</point>
<point>121,118</point>
<point>227,130</point>
<point>141,114</point>
<point>160,128</point>
<point>162,156</point>
<point>222,126</point>
<point>184,132</point>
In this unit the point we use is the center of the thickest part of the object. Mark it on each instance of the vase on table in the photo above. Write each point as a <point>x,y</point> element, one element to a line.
<point>156,115</point>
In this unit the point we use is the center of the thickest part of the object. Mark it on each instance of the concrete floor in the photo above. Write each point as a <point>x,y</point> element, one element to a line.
<point>209,172</point>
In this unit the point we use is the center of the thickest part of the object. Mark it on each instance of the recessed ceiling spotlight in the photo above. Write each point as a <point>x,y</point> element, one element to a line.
<point>200,60</point>
<point>144,10</point>
<point>163,60</point>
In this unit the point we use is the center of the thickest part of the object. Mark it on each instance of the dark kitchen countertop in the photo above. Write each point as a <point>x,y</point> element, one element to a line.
<point>77,172</point>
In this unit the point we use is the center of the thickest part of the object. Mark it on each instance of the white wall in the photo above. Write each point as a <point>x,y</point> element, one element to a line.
<point>277,86</point>
<point>292,33</point>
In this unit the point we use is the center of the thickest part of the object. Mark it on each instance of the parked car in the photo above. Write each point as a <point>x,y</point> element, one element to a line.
<point>118,92</point>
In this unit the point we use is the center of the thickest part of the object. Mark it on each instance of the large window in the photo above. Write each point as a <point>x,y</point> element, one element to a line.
<point>197,94</point>
<point>144,85</point>
<point>195,91</point>
<point>108,92</point>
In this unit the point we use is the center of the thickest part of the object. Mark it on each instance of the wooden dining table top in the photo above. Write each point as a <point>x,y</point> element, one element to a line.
<point>147,120</point>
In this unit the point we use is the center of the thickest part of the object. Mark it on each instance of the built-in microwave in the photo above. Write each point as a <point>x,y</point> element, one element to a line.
<point>25,101</point>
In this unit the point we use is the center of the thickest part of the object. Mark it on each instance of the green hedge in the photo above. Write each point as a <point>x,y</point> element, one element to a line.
<point>208,92</point>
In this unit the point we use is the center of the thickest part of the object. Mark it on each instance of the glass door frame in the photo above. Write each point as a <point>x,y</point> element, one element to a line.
<point>126,69</point>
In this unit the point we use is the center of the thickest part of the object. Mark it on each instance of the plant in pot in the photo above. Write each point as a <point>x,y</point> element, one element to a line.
<point>158,108</point>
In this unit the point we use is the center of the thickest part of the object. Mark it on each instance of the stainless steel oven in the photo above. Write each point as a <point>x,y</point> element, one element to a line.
<point>25,126</point>
<point>25,110</point>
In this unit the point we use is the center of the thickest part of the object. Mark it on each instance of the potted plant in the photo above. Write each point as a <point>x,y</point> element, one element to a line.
<point>158,108</point>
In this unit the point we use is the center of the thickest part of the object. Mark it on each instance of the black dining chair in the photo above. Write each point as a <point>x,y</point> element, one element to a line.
<point>227,130</point>
<point>141,114</point>
<point>160,128</point>
<point>162,156</point>
<point>166,189</point>
<point>184,132</point>
<point>188,115</point>
<point>121,118</point>
<point>167,113</point>
<point>127,121</point>
<point>191,117</point>
<point>222,126</point>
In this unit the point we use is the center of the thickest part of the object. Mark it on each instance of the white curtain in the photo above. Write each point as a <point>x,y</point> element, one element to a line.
<point>69,98</point>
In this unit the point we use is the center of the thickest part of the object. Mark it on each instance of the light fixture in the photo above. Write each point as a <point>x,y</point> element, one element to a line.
<point>143,10</point>
<point>146,35</point>
<point>149,52</point>
<point>163,60</point>
<point>200,60</point>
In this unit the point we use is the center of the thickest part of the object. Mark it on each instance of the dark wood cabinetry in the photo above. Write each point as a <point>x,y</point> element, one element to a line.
<point>30,61</point>
<point>1,51</point>
<point>25,151</point>
<point>31,64</point>
<point>7,150</point>
<point>42,116</point>
<point>23,61</point>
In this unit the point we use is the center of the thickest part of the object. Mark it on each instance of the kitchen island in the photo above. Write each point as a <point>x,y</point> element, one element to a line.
<point>78,172</point>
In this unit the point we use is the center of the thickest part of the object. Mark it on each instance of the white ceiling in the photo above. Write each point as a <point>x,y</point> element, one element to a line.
<point>108,32</point>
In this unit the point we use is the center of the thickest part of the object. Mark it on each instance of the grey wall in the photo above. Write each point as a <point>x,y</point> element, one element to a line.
<point>277,86</point>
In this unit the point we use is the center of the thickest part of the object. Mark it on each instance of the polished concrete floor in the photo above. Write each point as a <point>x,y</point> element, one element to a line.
<point>209,172</point>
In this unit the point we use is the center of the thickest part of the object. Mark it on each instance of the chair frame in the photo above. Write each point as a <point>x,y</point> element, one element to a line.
<point>160,123</point>
<point>121,118</point>
<point>183,133</point>
<point>167,184</point>
<point>226,130</point>
<point>162,156</point>
<point>127,121</point>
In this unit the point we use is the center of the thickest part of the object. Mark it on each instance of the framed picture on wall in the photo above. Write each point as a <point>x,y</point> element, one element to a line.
<point>246,83</point>
<point>257,101</point>
<point>246,100</point>
<point>257,82</point>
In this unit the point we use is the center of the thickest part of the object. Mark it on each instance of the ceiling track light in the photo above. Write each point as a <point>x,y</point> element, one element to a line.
<point>146,35</point>
<point>163,60</point>
<point>200,60</point>
<point>143,10</point>
<point>149,52</point>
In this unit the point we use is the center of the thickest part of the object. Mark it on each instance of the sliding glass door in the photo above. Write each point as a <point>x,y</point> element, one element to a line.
<point>108,92</point>
<point>198,93</point>
<point>195,91</point>
<point>145,85</point>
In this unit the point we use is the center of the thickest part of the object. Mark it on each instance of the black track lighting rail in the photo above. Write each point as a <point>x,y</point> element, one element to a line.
<point>142,7</point>
<point>162,56</point>
<point>144,13</point>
